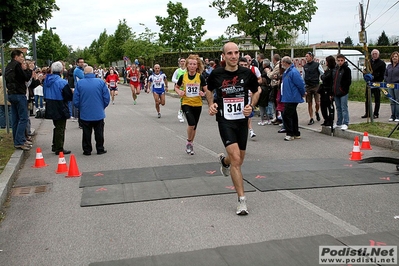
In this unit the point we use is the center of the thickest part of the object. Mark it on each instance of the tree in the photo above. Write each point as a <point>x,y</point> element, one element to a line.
<point>266,22</point>
<point>24,16</point>
<point>176,32</point>
<point>113,50</point>
<point>97,46</point>
<point>348,41</point>
<point>145,47</point>
<point>383,39</point>
<point>50,48</point>
<point>211,44</point>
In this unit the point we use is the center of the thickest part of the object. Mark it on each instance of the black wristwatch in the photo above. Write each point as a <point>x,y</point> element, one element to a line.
<point>252,107</point>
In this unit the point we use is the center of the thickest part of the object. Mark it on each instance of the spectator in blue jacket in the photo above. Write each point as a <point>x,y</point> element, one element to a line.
<point>91,96</point>
<point>292,93</point>
<point>57,93</point>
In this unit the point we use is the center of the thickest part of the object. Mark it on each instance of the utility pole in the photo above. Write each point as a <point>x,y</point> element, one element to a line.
<point>368,69</point>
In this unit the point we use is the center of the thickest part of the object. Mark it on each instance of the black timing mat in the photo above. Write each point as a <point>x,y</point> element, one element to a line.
<point>312,173</point>
<point>298,251</point>
<point>157,190</point>
<point>390,238</point>
<point>160,173</point>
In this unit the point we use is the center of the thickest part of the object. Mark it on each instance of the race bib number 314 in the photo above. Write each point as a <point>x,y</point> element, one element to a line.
<point>233,108</point>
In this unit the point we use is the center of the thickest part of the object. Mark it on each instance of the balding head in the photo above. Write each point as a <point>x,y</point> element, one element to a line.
<point>88,70</point>
<point>229,46</point>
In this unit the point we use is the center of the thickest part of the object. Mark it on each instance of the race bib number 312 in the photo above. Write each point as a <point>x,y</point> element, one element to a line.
<point>233,108</point>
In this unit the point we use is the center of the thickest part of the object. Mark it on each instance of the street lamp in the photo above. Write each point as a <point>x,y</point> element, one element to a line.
<point>49,62</point>
<point>51,30</point>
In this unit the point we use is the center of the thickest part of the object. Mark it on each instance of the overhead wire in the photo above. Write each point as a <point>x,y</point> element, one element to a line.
<point>383,13</point>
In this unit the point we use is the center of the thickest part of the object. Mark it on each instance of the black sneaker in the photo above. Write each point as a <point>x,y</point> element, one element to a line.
<point>317,116</point>
<point>364,116</point>
<point>311,121</point>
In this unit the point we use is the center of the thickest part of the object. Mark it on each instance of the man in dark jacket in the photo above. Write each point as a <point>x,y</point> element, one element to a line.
<point>57,93</point>
<point>378,66</point>
<point>16,75</point>
<point>342,79</point>
<point>91,96</point>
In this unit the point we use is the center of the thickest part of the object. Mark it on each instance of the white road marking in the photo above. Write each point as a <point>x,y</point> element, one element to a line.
<point>322,213</point>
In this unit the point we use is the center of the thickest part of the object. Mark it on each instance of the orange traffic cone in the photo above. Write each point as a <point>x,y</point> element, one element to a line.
<point>39,162</point>
<point>366,142</point>
<point>356,155</point>
<point>73,168</point>
<point>62,166</point>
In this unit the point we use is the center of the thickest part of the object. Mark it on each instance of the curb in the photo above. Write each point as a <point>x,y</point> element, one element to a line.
<point>392,144</point>
<point>7,177</point>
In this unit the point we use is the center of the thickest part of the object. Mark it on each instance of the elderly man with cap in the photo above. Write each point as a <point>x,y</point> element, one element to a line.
<point>57,93</point>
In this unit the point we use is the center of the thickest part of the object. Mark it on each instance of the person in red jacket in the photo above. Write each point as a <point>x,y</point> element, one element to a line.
<point>112,81</point>
<point>134,76</point>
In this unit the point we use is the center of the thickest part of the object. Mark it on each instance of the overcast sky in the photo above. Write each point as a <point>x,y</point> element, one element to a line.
<point>78,23</point>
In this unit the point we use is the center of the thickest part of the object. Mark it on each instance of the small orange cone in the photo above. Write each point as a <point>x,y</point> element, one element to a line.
<point>356,154</point>
<point>73,168</point>
<point>39,162</point>
<point>366,142</point>
<point>62,166</point>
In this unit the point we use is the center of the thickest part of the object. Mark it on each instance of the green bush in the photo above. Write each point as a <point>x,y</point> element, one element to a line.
<point>168,72</point>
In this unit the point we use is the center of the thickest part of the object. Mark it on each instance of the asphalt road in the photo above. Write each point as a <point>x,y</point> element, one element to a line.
<point>52,229</point>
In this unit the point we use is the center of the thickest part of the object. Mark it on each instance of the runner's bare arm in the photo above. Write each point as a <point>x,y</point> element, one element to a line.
<point>213,107</point>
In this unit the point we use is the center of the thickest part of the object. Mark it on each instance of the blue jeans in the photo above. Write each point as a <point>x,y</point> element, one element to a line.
<point>341,104</point>
<point>270,110</point>
<point>38,101</point>
<point>3,116</point>
<point>394,106</point>
<point>19,117</point>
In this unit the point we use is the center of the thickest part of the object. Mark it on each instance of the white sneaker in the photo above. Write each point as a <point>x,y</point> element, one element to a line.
<point>396,120</point>
<point>242,206</point>
<point>390,119</point>
<point>288,138</point>
<point>252,133</point>
<point>180,116</point>
<point>189,147</point>
<point>344,127</point>
<point>223,169</point>
<point>261,123</point>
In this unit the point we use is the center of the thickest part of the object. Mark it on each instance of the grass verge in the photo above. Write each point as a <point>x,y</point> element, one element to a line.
<point>376,128</point>
<point>6,148</point>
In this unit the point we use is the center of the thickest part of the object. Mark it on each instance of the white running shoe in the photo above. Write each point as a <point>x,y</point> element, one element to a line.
<point>242,206</point>
<point>344,127</point>
<point>289,138</point>
<point>180,116</point>
<point>223,169</point>
<point>189,147</point>
<point>252,133</point>
<point>159,115</point>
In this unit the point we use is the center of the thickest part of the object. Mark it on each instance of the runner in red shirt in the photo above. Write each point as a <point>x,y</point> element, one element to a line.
<point>134,76</point>
<point>112,81</point>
